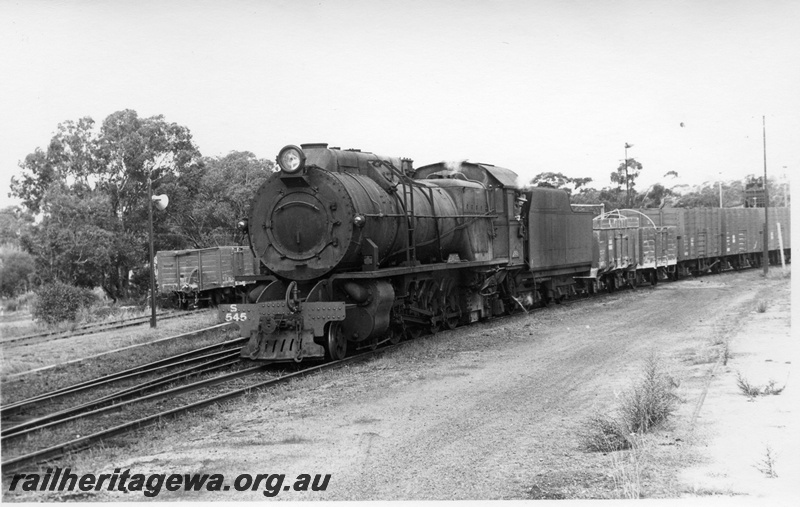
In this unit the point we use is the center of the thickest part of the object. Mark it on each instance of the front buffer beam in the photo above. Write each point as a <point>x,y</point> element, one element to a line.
<point>279,333</point>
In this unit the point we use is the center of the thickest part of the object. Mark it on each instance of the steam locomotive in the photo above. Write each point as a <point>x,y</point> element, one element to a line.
<point>363,249</point>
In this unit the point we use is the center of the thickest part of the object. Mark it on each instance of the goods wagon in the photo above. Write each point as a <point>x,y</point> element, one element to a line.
<point>631,248</point>
<point>715,239</point>
<point>205,276</point>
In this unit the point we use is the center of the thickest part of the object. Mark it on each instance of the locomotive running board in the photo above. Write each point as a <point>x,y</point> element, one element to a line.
<point>404,270</point>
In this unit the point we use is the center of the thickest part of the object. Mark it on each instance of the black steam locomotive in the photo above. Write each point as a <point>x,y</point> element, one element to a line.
<point>363,249</point>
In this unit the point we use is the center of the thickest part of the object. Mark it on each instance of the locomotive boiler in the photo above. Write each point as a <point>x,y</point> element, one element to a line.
<point>329,209</point>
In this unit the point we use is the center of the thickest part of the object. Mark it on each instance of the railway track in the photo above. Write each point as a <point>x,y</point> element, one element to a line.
<point>92,328</point>
<point>178,360</point>
<point>118,401</point>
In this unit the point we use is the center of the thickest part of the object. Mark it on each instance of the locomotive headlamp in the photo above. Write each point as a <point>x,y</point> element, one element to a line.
<point>359,220</point>
<point>291,159</point>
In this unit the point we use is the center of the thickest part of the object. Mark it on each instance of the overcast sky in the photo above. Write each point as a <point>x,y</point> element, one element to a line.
<point>538,85</point>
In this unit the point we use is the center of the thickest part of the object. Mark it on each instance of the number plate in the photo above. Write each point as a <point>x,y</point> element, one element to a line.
<point>235,316</point>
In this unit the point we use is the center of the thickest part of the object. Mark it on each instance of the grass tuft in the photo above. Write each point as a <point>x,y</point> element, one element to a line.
<point>627,469</point>
<point>780,273</point>
<point>761,306</point>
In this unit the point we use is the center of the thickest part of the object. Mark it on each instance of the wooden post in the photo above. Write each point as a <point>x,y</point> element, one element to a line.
<point>780,245</point>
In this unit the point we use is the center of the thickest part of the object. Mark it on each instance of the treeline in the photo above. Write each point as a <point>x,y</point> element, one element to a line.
<point>84,218</point>
<point>622,192</point>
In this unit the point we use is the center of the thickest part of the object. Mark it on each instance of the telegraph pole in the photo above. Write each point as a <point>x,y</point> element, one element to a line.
<point>627,181</point>
<point>766,200</point>
<point>152,269</point>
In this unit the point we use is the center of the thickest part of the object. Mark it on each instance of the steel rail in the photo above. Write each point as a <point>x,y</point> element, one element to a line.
<point>82,410</point>
<point>34,341</point>
<point>93,328</point>
<point>163,394</point>
<point>169,362</point>
<point>83,327</point>
<point>189,334</point>
<point>57,450</point>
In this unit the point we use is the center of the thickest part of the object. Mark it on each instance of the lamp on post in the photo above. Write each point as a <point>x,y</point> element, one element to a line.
<point>160,202</point>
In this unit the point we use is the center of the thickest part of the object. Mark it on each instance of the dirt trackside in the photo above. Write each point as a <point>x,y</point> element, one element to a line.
<point>495,410</point>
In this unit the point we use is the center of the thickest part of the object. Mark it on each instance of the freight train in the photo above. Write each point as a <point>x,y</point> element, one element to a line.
<point>362,249</point>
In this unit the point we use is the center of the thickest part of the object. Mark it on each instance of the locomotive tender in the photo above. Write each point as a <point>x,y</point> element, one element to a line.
<point>363,249</point>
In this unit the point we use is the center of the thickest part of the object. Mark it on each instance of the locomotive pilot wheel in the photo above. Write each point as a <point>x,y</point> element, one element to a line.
<point>336,343</point>
<point>395,335</point>
<point>413,331</point>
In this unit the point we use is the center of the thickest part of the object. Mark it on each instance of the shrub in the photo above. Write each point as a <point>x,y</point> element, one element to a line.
<point>15,268</point>
<point>604,433</point>
<point>59,302</point>
<point>640,409</point>
<point>651,401</point>
<point>11,305</point>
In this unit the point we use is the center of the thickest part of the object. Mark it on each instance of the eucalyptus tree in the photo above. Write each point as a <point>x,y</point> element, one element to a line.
<point>91,188</point>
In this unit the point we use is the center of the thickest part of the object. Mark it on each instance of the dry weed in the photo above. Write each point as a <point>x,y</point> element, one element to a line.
<point>751,391</point>
<point>627,469</point>
<point>767,465</point>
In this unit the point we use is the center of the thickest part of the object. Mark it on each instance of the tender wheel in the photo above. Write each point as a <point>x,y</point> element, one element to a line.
<point>436,320</point>
<point>452,311</point>
<point>336,343</point>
